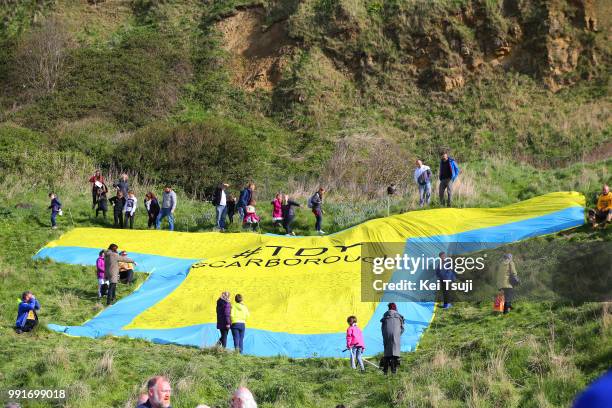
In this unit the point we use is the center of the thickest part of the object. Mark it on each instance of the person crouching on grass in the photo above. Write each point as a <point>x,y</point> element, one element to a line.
<point>27,318</point>
<point>355,343</point>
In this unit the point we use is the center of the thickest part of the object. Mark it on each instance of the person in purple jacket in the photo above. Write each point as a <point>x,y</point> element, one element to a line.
<point>224,321</point>
<point>27,318</point>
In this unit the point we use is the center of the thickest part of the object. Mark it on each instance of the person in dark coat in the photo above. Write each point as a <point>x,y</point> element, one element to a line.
<point>102,201</point>
<point>288,213</point>
<point>224,319</point>
<point>392,329</point>
<point>246,195</point>
<point>152,206</point>
<point>118,203</point>
<point>231,208</point>
<point>445,273</point>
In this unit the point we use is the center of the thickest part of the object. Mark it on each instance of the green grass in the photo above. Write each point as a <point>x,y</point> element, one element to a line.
<point>541,354</point>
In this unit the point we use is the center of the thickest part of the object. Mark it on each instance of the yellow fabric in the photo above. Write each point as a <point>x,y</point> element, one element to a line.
<point>240,313</point>
<point>604,202</point>
<point>310,298</point>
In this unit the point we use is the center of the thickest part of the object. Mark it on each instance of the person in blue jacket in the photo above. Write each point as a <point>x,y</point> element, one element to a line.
<point>596,395</point>
<point>448,173</point>
<point>27,318</point>
<point>445,273</point>
<point>55,207</point>
<point>246,195</point>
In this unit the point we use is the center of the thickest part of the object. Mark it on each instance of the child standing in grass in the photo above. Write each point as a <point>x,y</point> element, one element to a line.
<point>100,273</point>
<point>277,212</point>
<point>354,342</point>
<point>251,218</point>
<point>131,203</point>
<point>56,208</point>
<point>118,202</point>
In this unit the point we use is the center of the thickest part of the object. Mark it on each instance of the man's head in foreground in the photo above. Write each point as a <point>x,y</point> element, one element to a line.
<point>242,398</point>
<point>159,391</point>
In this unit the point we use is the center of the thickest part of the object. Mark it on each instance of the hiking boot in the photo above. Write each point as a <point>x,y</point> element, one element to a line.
<point>321,232</point>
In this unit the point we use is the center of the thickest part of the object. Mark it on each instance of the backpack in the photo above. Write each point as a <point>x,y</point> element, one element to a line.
<point>424,177</point>
<point>310,203</point>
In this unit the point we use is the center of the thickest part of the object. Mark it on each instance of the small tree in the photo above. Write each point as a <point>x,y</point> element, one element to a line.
<point>40,56</point>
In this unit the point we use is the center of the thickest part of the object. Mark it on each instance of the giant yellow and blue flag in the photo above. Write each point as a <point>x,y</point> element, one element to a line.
<point>299,289</point>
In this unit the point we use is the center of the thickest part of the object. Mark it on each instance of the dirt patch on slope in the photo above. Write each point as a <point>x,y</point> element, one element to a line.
<point>258,53</point>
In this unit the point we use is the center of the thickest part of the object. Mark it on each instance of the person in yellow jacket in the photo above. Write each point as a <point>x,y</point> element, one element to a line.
<point>602,215</point>
<point>239,315</point>
<point>507,279</point>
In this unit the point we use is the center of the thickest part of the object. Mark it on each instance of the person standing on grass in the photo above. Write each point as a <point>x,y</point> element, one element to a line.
<point>122,184</point>
<point>602,214</point>
<point>355,343</point>
<point>448,174</point>
<point>131,203</point>
<point>159,393</point>
<point>277,211</point>
<point>152,206</point>
<point>97,181</point>
<point>111,270</point>
<point>102,201</point>
<point>288,213</point>
<point>100,274</point>
<point>422,176</point>
<point>316,203</point>
<point>27,319</point>
<point>445,273</point>
<point>231,208</point>
<point>250,217</point>
<point>224,317</point>
<point>392,329</point>
<point>220,202</point>
<point>507,279</point>
<point>56,208</point>
<point>118,203</point>
<point>167,208</point>
<point>246,195</point>
<point>239,315</point>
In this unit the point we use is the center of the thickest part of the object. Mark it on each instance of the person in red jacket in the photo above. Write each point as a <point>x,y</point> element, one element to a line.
<point>97,182</point>
<point>354,342</point>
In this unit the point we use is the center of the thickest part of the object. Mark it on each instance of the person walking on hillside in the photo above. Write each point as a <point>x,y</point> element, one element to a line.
<point>122,184</point>
<point>445,273</point>
<point>355,343</point>
<point>152,206</point>
<point>239,315</point>
<point>507,279</point>
<point>167,208</point>
<point>56,209</point>
<point>392,330</point>
<point>448,174</point>
<point>97,181</point>
<point>422,176</point>
<point>277,210</point>
<point>111,270</point>
<point>27,319</point>
<point>118,203</point>
<point>131,203</point>
<point>246,195</point>
<point>102,201</point>
<point>100,274</point>
<point>602,214</point>
<point>220,202</point>
<point>224,317</point>
<point>288,213</point>
<point>231,208</point>
<point>316,204</point>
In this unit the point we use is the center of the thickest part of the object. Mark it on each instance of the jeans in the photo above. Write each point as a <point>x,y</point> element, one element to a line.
<point>118,219</point>
<point>241,213</point>
<point>165,212</point>
<point>356,355</point>
<point>238,330</point>
<point>53,217</point>
<point>446,184</point>
<point>223,339</point>
<point>508,295</point>
<point>129,218</point>
<point>446,294</point>
<point>110,295</point>
<point>221,213</point>
<point>424,193</point>
<point>287,221</point>
<point>319,218</point>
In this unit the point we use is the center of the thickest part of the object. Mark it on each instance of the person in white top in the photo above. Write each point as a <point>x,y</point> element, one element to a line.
<point>220,202</point>
<point>131,203</point>
<point>422,176</point>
